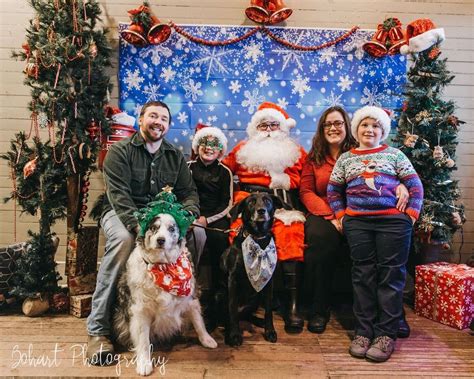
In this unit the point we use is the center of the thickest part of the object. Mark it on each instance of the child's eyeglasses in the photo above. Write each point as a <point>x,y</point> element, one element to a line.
<point>337,124</point>
<point>210,143</point>
<point>268,125</point>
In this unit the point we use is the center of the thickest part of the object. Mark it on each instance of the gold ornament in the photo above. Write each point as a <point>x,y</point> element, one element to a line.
<point>410,139</point>
<point>422,116</point>
<point>438,153</point>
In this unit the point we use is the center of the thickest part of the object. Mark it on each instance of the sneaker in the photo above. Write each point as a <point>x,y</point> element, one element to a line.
<point>359,346</point>
<point>381,349</point>
<point>100,351</point>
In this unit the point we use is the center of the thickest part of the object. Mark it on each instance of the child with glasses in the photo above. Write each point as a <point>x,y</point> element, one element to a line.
<point>362,195</point>
<point>215,189</point>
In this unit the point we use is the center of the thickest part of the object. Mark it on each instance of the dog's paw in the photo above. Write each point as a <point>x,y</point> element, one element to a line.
<point>234,339</point>
<point>270,335</point>
<point>144,367</point>
<point>208,341</point>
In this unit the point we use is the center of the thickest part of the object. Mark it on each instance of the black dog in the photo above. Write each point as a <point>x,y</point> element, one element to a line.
<point>257,212</point>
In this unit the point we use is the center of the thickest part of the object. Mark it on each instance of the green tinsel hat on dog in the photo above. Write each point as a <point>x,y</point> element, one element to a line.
<point>165,202</point>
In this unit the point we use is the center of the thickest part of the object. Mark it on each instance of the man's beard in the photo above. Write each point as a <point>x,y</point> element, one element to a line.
<point>269,151</point>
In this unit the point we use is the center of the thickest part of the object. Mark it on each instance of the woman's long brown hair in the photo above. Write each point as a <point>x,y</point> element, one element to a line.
<point>320,146</point>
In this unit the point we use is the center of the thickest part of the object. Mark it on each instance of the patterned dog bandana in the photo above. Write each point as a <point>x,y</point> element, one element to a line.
<point>174,278</point>
<point>259,264</point>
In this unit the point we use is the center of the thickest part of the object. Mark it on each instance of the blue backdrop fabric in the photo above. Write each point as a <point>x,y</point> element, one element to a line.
<point>223,86</point>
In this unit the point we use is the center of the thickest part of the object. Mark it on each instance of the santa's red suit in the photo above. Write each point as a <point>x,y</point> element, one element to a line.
<point>275,170</point>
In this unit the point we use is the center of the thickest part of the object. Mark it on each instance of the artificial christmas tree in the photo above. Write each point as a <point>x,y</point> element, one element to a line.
<point>66,58</point>
<point>427,134</point>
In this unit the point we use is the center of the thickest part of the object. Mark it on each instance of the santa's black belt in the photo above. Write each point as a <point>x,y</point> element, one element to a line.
<point>280,192</point>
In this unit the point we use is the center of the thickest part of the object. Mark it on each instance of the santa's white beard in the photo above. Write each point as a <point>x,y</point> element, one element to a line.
<point>269,154</point>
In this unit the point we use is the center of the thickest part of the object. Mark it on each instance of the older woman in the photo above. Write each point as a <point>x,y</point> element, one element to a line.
<point>323,232</point>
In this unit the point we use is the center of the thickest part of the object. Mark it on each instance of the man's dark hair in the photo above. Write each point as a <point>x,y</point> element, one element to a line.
<point>156,103</point>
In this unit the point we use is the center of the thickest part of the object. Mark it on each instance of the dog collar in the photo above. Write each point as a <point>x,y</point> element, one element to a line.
<point>246,234</point>
<point>259,263</point>
<point>174,278</point>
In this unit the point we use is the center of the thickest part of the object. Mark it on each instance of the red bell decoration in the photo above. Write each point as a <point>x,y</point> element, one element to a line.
<point>376,46</point>
<point>134,35</point>
<point>396,36</point>
<point>158,32</point>
<point>279,11</point>
<point>257,11</point>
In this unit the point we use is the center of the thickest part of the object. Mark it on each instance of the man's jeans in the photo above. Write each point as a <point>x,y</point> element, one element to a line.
<point>119,243</point>
<point>379,251</point>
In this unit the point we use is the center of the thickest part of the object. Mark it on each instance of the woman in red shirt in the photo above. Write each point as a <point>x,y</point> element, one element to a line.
<point>323,232</point>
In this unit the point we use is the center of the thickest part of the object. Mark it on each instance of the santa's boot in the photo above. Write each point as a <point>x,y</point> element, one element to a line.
<point>293,322</point>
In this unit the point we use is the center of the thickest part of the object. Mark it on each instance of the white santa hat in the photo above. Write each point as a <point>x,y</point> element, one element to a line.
<point>421,35</point>
<point>269,110</point>
<point>376,113</point>
<point>205,130</point>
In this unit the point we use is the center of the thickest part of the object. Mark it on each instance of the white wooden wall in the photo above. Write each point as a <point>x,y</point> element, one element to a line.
<point>455,16</point>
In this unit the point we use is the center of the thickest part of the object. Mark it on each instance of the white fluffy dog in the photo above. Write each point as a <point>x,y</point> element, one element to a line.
<point>145,312</point>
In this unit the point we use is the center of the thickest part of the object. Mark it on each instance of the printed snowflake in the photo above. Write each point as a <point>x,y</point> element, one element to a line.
<point>182,117</point>
<point>212,58</point>
<point>248,67</point>
<point>300,86</point>
<point>333,100</point>
<point>156,52</point>
<point>281,102</point>
<point>340,63</point>
<point>262,79</point>
<point>193,89</point>
<point>355,42</point>
<point>371,96</point>
<point>252,100</point>
<point>313,68</point>
<point>177,61</point>
<point>152,93</point>
<point>328,55</point>
<point>133,79</point>
<point>128,60</point>
<point>345,83</point>
<point>253,51</point>
<point>235,86</point>
<point>167,74</point>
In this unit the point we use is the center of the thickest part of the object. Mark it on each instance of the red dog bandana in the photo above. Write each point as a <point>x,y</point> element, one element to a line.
<point>174,278</point>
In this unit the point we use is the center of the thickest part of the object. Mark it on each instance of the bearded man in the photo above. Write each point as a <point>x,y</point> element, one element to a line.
<point>269,160</point>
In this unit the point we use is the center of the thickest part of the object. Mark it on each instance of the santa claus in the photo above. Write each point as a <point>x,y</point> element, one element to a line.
<point>269,160</point>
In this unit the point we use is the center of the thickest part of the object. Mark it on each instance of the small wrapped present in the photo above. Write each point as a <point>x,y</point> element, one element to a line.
<point>444,292</point>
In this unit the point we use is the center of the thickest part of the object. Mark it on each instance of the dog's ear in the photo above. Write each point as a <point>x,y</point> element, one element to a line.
<point>237,209</point>
<point>279,203</point>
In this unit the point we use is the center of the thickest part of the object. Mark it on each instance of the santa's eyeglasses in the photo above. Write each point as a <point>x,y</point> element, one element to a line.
<point>268,125</point>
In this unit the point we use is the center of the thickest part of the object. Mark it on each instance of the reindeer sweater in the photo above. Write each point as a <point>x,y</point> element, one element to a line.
<point>364,183</point>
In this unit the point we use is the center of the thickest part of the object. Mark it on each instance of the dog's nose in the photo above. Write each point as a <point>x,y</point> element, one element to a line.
<point>261,211</point>
<point>160,241</point>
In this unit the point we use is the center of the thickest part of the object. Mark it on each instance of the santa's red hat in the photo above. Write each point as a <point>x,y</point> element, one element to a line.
<point>268,111</point>
<point>421,35</point>
<point>119,117</point>
<point>203,130</point>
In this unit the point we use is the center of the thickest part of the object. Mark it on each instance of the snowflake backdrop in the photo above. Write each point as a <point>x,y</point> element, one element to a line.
<point>223,86</point>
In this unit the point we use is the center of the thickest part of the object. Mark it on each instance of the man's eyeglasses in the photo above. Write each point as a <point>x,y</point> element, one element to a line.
<point>268,125</point>
<point>337,124</point>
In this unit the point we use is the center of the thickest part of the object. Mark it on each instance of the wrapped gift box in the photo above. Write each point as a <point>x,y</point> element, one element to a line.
<point>444,292</point>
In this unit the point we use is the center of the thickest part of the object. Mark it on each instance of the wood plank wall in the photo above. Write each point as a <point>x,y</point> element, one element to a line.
<point>455,16</point>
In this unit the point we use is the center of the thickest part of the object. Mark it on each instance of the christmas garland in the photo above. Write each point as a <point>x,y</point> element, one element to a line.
<point>267,31</point>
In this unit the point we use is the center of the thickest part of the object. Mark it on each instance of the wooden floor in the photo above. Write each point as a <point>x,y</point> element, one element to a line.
<point>433,350</point>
